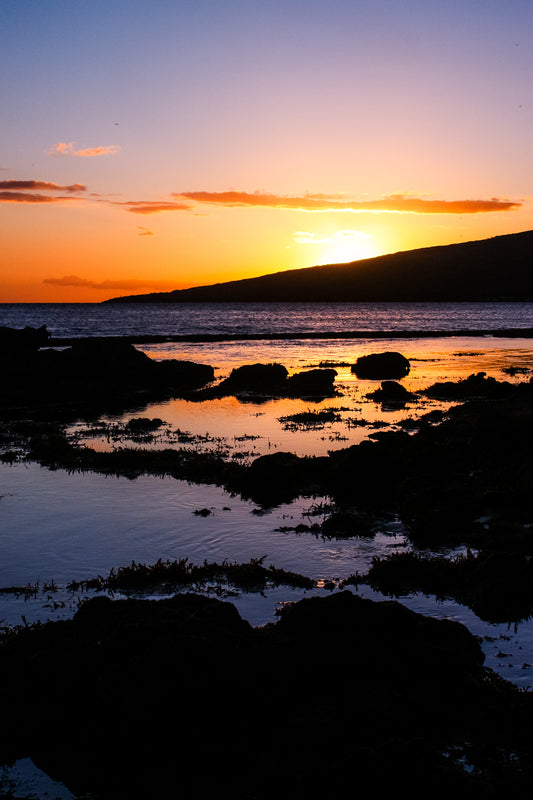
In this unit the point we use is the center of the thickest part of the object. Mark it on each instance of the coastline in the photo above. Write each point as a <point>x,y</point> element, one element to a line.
<point>526,333</point>
<point>439,476</point>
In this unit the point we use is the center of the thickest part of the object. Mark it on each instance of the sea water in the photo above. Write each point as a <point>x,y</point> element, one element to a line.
<point>137,319</point>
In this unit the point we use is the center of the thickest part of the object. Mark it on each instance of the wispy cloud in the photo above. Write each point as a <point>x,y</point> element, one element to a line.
<point>28,197</point>
<point>396,203</point>
<point>21,186</point>
<point>118,284</point>
<point>152,206</point>
<point>67,149</point>
<point>145,231</point>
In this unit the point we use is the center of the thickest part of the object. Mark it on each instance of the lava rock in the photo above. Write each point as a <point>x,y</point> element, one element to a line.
<point>382,366</point>
<point>391,393</point>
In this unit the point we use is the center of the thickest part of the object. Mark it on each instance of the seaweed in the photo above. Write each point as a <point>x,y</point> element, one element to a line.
<point>166,575</point>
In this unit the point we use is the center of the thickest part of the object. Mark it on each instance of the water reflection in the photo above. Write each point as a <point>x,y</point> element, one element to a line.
<point>70,527</point>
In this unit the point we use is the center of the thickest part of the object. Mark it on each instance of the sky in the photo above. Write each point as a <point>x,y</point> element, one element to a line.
<point>150,146</point>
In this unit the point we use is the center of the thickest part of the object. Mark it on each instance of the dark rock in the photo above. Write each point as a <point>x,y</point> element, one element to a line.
<point>255,378</point>
<point>23,340</point>
<point>202,512</point>
<point>276,477</point>
<point>143,424</point>
<point>392,691</point>
<point>262,381</point>
<point>185,374</point>
<point>346,524</point>
<point>392,393</point>
<point>312,382</point>
<point>96,374</point>
<point>477,385</point>
<point>381,366</point>
<point>498,587</point>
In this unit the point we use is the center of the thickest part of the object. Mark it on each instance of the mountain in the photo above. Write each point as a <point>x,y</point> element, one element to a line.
<point>500,268</point>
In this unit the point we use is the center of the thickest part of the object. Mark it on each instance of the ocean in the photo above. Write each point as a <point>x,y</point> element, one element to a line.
<point>139,319</point>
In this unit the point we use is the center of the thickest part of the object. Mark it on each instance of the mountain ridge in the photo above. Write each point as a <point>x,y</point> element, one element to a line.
<point>498,268</point>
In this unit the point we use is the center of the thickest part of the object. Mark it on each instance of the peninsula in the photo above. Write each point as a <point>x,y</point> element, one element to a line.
<point>499,268</point>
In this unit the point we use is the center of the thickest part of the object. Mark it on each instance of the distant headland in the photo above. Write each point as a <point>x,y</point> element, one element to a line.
<point>499,268</point>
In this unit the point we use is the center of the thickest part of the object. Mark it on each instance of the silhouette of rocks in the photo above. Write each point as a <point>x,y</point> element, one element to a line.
<point>381,366</point>
<point>346,524</point>
<point>477,385</point>
<point>184,374</point>
<point>392,393</point>
<point>498,587</point>
<point>263,378</point>
<point>275,477</point>
<point>312,382</point>
<point>23,340</point>
<point>364,692</point>
<point>94,374</point>
<point>143,425</point>
<point>262,381</point>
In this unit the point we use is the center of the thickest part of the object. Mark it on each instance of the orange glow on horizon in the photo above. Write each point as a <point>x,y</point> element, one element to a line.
<point>93,251</point>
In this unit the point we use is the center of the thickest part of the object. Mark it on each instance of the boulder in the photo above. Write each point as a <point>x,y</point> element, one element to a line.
<point>264,378</point>
<point>312,382</point>
<point>382,366</point>
<point>476,385</point>
<point>23,340</point>
<point>185,374</point>
<point>391,393</point>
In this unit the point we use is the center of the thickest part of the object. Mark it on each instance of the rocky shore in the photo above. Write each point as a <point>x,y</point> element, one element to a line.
<point>144,698</point>
<point>151,699</point>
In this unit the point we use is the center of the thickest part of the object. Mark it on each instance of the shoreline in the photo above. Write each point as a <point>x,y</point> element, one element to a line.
<point>514,333</point>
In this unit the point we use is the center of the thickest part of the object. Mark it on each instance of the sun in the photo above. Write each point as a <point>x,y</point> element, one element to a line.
<point>349,246</point>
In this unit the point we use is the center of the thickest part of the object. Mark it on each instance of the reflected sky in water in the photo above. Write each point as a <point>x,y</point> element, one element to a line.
<point>60,526</point>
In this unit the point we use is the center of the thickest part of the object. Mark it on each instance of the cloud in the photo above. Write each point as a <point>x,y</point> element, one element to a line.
<point>127,284</point>
<point>303,237</point>
<point>41,186</point>
<point>153,206</point>
<point>396,203</point>
<point>145,231</point>
<point>67,149</point>
<point>23,197</point>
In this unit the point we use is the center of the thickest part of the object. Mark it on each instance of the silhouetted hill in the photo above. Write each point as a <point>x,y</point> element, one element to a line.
<point>500,268</point>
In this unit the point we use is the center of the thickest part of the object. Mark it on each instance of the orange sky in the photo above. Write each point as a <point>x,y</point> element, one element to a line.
<point>194,145</point>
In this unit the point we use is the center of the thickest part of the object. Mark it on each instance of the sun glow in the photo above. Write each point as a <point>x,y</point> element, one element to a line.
<point>342,246</point>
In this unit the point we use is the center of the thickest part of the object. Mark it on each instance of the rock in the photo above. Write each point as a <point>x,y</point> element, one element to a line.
<point>346,524</point>
<point>477,385</point>
<point>392,690</point>
<point>381,366</point>
<point>312,382</point>
<point>105,360</point>
<point>17,340</point>
<point>391,393</point>
<point>274,477</point>
<point>143,424</point>
<point>184,374</point>
<point>264,378</point>
<point>94,373</point>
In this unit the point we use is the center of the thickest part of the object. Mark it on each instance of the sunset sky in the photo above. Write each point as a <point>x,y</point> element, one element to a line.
<point>148,146</point>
